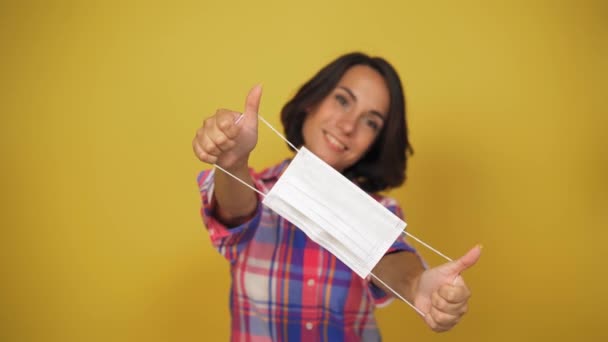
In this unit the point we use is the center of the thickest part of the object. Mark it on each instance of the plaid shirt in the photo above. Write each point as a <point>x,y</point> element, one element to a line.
<point>285,287</point>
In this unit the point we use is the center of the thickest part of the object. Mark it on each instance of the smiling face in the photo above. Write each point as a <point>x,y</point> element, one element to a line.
<point>344,125</point>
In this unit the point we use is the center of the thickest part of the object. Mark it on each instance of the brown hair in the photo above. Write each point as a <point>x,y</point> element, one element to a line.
<point>384,164</point>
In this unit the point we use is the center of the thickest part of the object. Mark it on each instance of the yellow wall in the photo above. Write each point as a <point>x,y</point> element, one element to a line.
<point>101,238</point>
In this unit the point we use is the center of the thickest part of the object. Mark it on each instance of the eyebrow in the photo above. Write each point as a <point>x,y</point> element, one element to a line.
<point>374,112</point>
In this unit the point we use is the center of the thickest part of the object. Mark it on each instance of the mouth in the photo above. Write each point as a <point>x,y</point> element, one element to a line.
<point>334,142</point>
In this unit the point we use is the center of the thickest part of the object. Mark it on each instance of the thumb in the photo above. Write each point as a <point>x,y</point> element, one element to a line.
<point>466,261</point>
<point>252,104</point>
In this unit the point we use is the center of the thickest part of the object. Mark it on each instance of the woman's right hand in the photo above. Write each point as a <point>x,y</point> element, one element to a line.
<point>228,137</point>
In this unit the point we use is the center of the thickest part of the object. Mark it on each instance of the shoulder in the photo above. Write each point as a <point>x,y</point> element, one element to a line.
<point>390,203</point>
<point>385,200</point>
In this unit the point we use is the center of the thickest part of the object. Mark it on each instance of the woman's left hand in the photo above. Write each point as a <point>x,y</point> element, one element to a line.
<point>441,293</point>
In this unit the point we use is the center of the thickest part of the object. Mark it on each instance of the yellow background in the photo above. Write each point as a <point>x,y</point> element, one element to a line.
<point>99,101</point>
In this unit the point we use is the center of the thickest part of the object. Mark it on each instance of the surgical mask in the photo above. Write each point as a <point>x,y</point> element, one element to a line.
<point>334,212</point>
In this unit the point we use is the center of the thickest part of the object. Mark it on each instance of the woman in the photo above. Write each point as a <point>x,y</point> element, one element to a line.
<point>285,287</point>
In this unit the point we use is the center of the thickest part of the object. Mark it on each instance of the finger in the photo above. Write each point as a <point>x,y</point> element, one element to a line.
<point>469,259</point>
<point>202,155</point>
<point>459,281</point>
<point>428,318</point>
<point>209,147</point>
<point>465,262</point>
<point>441,304</point>
<point>226,121</point>
<point>443,321</point>
<point>204,142</point>
<point>454,293</point>
<point>221,141</point>
<point>252,104</point>
<point>434,321</point>
<point>199,139</point>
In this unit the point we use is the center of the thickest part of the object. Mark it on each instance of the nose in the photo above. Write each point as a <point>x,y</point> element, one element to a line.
<point>347,123</point>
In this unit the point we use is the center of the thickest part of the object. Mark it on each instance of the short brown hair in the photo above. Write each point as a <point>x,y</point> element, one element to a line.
<point>383,166</point>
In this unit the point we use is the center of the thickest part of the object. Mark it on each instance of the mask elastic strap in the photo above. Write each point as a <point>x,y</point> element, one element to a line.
<point>427,246</point>
<point>372,274</point>
<point>404,232</point>
<point>277,132</point>
<point>264,195</point>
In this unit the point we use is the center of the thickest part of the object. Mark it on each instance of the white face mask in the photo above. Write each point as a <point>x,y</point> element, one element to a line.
<point>334,212</point>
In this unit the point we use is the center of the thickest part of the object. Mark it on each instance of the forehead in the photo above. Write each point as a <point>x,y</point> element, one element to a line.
<point>368,86</point>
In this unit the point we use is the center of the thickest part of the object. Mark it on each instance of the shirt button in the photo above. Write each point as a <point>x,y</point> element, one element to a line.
<point>311,282</point>
<point>309,325</point>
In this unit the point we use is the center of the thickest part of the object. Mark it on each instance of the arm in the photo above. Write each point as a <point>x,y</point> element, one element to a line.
<point>440,293</point>
<point>235,203</point>
<point>401,271</point>
<point>226,139</point>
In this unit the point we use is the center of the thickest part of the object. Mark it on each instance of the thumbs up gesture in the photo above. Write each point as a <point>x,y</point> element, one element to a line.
<point>228,137</point>
<point>442,294</point>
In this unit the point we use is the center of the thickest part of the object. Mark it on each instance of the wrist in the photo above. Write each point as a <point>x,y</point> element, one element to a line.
<point>237,167</point>
<point>412,286</point>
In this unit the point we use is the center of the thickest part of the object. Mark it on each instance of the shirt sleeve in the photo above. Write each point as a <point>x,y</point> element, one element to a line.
<point>381,298</point>
<point>229,241</point>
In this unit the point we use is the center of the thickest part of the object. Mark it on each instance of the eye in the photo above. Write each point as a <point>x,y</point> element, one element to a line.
<point>371,123</point>
<point>341,100</point>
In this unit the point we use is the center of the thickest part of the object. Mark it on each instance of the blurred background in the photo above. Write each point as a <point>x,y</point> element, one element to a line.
<point>101,238</point>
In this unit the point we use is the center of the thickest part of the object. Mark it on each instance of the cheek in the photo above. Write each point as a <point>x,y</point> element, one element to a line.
<point>326,109</point>
<point>365,140</point>
<point>305,129</point>
<point>309,128</point>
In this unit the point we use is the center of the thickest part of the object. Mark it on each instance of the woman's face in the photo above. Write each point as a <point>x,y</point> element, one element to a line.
<point>344,125</point>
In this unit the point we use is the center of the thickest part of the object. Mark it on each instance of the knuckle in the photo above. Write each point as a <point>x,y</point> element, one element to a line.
<point>441,305</point>
<point>439,317</point>
<point>438,302</point>
<point>224,124</point>
<point>209,147</point>
<point>204,157</point>
<point>451,296</point>
<point>221,139</point>
<point>222,114</point>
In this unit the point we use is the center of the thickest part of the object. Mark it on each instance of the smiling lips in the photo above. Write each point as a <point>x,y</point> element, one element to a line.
<point>333,142</point>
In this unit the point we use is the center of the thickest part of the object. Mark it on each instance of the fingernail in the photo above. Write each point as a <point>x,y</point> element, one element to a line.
<point>480,246</point>
<point>236,122</point>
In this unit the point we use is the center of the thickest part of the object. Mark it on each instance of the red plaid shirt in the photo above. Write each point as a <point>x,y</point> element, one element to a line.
<point>285,287</point>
